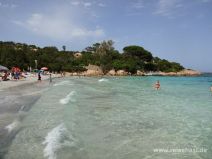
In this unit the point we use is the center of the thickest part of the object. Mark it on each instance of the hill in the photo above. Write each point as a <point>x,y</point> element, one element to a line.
<point>103,54</point>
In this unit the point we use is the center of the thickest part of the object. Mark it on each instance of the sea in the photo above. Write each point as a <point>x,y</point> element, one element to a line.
<point>108,118</point>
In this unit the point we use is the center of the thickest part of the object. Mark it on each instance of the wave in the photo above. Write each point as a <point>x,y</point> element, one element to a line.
<point>62,83</point>
<point>13,126</point>
<point>22,108</point>
<point>56,139</point>
<point>103,80</point>
<point>16,124</point>
<point>68,98</point>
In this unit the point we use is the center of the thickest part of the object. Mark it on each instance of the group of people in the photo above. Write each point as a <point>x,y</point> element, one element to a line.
<point>5,76</point>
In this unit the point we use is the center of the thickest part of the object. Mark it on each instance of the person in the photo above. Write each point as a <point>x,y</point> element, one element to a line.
<point>211,88</point>
<point>12,75</point>
<point>39,76</point>
<point>4,77</point>
<point>16,75</point>
<point>157,85</point>
<point>50,77</point>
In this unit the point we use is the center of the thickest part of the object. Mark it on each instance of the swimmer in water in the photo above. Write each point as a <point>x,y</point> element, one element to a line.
<point>157,85</point>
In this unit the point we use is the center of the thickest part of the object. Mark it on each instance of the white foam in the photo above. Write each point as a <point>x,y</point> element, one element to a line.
<point>68,98</point>
<point>103,80</point>
<point>13,126</point>
<point>56,139</point>
<point>62,83</point>
<point>22,108</point>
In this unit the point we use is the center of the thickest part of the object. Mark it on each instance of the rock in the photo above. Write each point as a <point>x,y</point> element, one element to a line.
<point>68,73</point>
<point>185,72</point>
<point>75,74</point>
<point>139,73</point>
<point>77,55</point>
<point>121,73</point>
<point>171,74</point>
<point>93,73</point>
<point>111,73</point>
<point>188,72</point>
<point>93,70</point>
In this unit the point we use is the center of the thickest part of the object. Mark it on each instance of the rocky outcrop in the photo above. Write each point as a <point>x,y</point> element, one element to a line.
<point>185,72</point>
<point>121,73</point>
<point>139,73</point>
<point>188,72</point>
<point>111,73</point>
<point>93,70</point>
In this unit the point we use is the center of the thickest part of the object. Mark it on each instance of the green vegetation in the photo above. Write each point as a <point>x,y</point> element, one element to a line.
<point>102,54</point>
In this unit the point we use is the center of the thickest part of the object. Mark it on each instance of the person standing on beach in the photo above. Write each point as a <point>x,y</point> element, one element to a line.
<point>50,77</point>
<point>211,88</point>
<point>39,76</point>
<point>157,85</point>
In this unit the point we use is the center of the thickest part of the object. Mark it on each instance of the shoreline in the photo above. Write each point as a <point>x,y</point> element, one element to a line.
<point>16,101</point>
<point>29,80</point>
<point>5,85</point>
<point>93,70</point>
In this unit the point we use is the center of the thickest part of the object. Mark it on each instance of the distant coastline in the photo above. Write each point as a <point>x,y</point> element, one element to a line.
<point>98,59</point>
<point>94,70</point>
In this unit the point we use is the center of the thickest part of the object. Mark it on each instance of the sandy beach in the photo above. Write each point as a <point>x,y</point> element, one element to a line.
<point>29,80</point>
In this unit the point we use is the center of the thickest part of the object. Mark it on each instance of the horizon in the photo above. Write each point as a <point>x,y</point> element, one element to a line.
<point>175,30</point>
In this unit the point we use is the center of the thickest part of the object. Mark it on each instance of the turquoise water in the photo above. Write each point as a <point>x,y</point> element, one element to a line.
<point>117,118</point>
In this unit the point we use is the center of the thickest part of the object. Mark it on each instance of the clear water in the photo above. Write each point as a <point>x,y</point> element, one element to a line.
<point>117,118</point>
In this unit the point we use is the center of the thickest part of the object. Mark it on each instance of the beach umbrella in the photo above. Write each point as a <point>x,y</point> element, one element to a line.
<point>3,68</point>
<point>44,68</point>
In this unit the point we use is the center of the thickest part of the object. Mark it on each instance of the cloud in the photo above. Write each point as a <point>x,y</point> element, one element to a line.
<point>101,5</point>
<point>58,27</point>
<point>75,3</point>
<point>8,5</point>
<point>138,4</point>
<point>87,4</point>
<point>167,7</point>
<point>134,8</point>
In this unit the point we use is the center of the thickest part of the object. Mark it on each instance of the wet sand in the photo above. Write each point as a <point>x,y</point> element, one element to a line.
<point>15,101</point>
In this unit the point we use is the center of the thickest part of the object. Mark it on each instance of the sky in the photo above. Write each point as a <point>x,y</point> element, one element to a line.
<point>176,30</point>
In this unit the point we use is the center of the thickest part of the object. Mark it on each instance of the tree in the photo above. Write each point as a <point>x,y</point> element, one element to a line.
<point>64,48</point>
<point>105,47</point>
<point>138,52</point>
<point>102,54</point>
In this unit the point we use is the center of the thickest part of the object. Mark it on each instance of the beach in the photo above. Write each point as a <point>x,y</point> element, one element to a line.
<point>28,80</point>
<point>109,117</point>
<point>16,99</point>
<point>94,79</point>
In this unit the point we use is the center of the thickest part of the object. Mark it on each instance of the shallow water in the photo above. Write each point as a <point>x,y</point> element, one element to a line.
<point>118,118</point>
<point>14,105</point>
